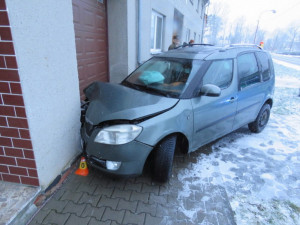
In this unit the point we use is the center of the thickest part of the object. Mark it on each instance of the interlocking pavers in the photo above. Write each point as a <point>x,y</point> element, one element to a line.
<point>151,220</point>
<point>74,208</point>
<point>99,199</point>
<point>136,196</point>
<point>83,187</point>
<point>89,199</point>
<point>56,218</point>
<point>121,194</point>
<point>57,205</point>
<point>38,219</point>
<point>93,221</point>
<point>127,205</point>
<point>134,218</point>
<point>113,215</point>
<point>108,202</point>
<point>91,211</point>
<point>72,196</point>
<point>147,208</point>
<point>157,199</point>
<point>103,191</point>
<point>76,220</point>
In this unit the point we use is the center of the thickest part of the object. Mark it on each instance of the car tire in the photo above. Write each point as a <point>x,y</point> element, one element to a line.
<point>262,119</point>
<point>163,159</point>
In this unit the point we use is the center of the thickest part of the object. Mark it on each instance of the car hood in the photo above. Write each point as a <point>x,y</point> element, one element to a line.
<point>116,102</point>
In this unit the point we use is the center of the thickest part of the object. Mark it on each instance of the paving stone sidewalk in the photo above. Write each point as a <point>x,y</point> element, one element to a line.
<point>99,199</point>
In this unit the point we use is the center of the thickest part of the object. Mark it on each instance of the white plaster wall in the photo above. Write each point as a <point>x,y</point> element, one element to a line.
<point>44,41</point>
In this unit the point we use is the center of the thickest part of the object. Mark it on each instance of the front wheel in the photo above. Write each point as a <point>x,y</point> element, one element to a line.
<point>262,119</point>
<point>163,159</point>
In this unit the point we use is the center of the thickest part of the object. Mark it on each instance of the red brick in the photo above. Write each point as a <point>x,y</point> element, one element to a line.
<point>11,62</point>
<point>1,151</point>
<point>5,141</point>
<point>2,5</point>
<point>11,178</point>
<point>7,48</point>
<point>4,87</point>
<point>7,110</point>
<point>20,112</point>
<point>24,134</point>
<point>29,163</point>
<point>7,160</point>
<point>9,75</point>
<point>9,132</point>
<point>28,154</point>
<point>30,181</point>
<point>15,152</point>
<point>3,169</point>
<point>1,99</point>
<point>16,100</point>
<point>32,173</point>
<point>15,88</point>
<point>3,121</point>
<point>18,170</point>
<point>17,122</point>
<point>5,34</point>
<point>21,143</point>
<point>2,63</point>
<point>4,18</point>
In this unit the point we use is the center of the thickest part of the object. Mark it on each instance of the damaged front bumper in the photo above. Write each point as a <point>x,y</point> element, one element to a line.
<point>124,159</point>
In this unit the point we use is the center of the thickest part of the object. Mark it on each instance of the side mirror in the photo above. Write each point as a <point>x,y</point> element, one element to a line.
<point>210,90</point>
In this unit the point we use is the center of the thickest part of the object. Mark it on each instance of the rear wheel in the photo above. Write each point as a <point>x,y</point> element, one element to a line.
<point>163,159</point>
<point>261,121</point>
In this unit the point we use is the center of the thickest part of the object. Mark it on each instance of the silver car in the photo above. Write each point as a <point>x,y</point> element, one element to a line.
<point>182,98</point>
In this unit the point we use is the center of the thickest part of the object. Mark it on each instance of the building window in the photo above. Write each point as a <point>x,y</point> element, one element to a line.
<point>156,32</point>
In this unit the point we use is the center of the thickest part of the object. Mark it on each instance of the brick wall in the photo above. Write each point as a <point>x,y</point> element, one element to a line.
<point>17,163</point>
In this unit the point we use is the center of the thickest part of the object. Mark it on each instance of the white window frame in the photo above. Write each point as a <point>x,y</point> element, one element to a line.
<point>156,49</point>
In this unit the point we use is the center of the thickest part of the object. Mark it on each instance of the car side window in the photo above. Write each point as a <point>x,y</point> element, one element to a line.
<point>248,70</point>
<point>264,63</point>
<point>219,73</point>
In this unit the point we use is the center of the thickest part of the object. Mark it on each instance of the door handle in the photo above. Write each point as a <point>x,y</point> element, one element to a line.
<point>232,100</point>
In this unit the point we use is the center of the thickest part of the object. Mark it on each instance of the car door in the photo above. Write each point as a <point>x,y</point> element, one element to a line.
<point>251,91</point>
<point>214,116</point>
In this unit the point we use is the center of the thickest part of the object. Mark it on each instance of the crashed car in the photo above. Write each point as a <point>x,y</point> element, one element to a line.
<point>182,98</point>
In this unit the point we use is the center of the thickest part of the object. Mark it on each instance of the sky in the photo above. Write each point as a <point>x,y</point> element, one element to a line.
<point>287,11</point>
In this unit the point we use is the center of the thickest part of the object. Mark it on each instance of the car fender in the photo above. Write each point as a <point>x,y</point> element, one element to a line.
<point>179,119</point>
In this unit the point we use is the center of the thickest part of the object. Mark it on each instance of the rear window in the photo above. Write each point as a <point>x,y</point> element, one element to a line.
<point>248,70</point>
<point>264,63</point>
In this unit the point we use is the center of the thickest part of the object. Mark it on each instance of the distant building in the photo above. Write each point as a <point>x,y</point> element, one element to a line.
<point>50,51</point>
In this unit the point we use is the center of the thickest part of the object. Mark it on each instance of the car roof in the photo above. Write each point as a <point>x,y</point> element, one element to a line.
<point>209,52</point>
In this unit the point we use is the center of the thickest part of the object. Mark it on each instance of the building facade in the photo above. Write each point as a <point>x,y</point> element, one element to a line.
<point>50,52</point>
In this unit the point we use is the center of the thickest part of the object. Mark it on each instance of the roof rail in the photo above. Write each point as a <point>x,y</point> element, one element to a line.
<point>190,45</point>
<point>245,45</point>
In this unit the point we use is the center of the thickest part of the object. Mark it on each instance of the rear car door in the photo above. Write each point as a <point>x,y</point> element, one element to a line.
<point>251,91</point>
<point>214,116</point>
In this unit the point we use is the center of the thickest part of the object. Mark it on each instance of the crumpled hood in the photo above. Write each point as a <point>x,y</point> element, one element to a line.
<point>116,102</point>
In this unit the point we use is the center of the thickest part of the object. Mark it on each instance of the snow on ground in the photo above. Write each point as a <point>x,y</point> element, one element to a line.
<point>260,172</point>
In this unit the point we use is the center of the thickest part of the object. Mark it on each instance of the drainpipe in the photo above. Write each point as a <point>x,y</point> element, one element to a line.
<point>139,32</point>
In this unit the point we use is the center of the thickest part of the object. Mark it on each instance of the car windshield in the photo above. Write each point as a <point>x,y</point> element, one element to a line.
<point>164,76</point>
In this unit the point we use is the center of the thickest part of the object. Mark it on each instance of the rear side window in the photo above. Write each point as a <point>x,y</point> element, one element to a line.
<point>219,73</point>
<point>264,63</point>
<point>248,70</point>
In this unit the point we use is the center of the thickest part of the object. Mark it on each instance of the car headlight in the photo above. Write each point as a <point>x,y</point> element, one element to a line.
<point>118,134</point>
